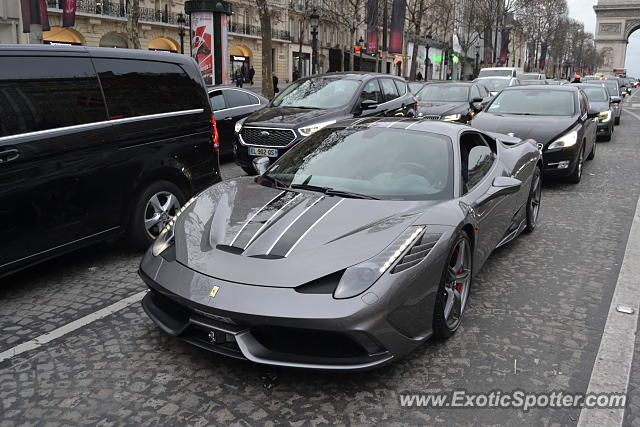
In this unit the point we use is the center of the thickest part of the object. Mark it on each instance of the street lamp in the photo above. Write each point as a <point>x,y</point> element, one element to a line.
<point>181,21</point>
<point>428,43</point>
<point>477,57</point>
<point>361,44</point>
<point>314,20</point>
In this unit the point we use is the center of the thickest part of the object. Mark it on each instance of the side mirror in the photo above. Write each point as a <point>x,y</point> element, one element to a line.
<point>261,164</point>
<point>501,186</point>
<point>592,115</point>
<point>476,103</point>
<point>615,99</point>
<point>368,104</point>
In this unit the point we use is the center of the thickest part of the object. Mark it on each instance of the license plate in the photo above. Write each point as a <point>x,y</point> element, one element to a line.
<point>269,152</point>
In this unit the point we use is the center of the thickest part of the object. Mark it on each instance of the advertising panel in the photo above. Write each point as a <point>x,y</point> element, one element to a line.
<point>202,43</point>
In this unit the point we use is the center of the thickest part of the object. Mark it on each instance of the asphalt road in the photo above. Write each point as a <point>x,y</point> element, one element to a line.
<point>534,322</point>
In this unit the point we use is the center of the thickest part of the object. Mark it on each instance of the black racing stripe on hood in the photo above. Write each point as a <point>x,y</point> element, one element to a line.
<point>297,230</point>
<point>266,214</point>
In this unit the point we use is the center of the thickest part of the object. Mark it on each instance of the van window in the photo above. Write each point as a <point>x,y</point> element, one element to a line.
<point>47,93</point>
<point>138,88</point>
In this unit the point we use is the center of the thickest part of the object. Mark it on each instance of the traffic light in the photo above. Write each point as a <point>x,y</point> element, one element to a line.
<point>455,58</point>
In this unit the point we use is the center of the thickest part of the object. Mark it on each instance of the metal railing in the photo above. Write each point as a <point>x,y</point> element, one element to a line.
<point>254,30</point>
<point>118,10</point>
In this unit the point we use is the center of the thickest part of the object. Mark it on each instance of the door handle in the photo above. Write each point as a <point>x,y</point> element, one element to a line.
<point>228,119</point>
<point>9,155</point>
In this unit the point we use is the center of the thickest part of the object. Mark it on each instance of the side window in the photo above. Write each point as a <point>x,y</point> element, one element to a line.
<point>47,93</point>
<point>237,98</point>
<point>389,89</point>
<point>216,98</point>
<point>475,92</point>
<point>584,104</point>
<point>137,88</point>
<point>371,91</point>
<point>401,86</point>
<point>476,160</point>
<point>254,99</point>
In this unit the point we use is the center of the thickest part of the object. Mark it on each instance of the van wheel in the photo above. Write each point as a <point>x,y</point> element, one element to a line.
<point>154,208</point>
<point>249,170</point>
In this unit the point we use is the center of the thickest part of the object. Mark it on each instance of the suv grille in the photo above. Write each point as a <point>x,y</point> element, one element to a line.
<point>268,137</point>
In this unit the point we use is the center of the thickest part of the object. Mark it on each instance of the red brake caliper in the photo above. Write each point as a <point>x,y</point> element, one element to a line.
<point>458,286</point>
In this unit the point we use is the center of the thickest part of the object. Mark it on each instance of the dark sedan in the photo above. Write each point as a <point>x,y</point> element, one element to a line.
<point>230,104</point>
<point>348,252</point>
<point>309,104</point>
<point>614,90</point>
<point>600,104</point>
<point>451,102</point>
<point>557,117</point>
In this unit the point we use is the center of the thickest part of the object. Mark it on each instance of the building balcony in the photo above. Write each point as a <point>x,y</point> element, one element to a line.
<point>254,31</point>
<point>117,9</point>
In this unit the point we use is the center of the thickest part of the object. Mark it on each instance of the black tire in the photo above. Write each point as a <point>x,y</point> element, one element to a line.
<point>576,175</point>
<point>442,327</point>
<point>138,234</point>
<point>249,170</point>
<point>533,201</point>
<point>592,154</point>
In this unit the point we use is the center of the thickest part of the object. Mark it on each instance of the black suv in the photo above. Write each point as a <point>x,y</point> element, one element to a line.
<point>311,103</point>
<point>95,142</point>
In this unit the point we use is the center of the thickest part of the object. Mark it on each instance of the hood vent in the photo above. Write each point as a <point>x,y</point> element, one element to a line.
<point>417,253</point>
<point>323,285</point>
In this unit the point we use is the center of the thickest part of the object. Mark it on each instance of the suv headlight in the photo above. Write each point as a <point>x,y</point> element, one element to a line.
<point>238,126</point>
<point>565,141</point>
<point>604,116</point>
<point>308,130</point>
<point>361,277</point>
<point>452,118</point>
<point>166,237</point>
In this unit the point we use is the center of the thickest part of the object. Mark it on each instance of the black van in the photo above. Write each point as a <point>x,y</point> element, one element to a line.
<point>313,102</point>
<point>94,143</point>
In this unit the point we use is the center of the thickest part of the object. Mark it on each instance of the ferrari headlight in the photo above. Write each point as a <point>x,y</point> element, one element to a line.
<point>604,116</point>
<point>308,130</point>
<point>166,237</point>
<point>238,126</point>
<point>361,277</point>
<point>452,118</point>
<point>565,141</point>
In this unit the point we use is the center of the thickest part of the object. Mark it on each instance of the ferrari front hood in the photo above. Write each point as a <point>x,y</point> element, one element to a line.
<point>243,232</point>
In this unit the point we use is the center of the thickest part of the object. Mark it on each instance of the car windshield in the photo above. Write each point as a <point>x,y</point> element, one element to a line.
<point>318,92</point>
<point>596,93</point>
<point>530,77</point>
<point>376,162</point>
<point>414,87</point>
<point>488,72</point>
<point>612,87</point>
<point>446,92</point>
<point>537,102</point>
<point>494,85</point>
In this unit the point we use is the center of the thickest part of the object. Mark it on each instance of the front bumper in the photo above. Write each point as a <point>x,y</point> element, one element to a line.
<point>560,161</point>
<point>283,327</point>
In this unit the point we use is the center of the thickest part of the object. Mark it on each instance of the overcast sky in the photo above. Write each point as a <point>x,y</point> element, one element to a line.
<point>582,10</point>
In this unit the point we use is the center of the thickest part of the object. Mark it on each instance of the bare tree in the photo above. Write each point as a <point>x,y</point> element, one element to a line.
<point>133,7</point>
<point>350,15</point>
<point>415,17</point>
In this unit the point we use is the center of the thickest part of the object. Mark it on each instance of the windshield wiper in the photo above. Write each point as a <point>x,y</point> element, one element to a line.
<point>331,192</point>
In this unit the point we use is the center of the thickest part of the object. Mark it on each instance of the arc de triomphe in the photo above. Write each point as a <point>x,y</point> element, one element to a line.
<point>615,21</point>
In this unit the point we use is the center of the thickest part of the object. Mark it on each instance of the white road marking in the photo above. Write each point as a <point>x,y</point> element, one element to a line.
<point>632,113</point>
<point>612,366</point>
<point>70,327</point>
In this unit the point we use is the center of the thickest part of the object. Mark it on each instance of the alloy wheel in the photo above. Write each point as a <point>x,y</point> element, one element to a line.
<point>457,283</point>
<point>536,198</point>
<point>160,209</point>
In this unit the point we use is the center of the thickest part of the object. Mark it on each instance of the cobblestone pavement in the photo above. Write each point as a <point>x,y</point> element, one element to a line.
<point>534,321</point>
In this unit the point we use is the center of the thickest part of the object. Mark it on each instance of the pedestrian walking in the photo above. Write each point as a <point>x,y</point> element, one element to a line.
<point>238,78</point>
<point>419,76</point>
<point>252,73</point>
<point>275,84</point>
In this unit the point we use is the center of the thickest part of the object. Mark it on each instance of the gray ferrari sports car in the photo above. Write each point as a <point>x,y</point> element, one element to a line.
<point>348,252</point>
